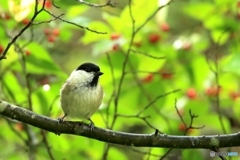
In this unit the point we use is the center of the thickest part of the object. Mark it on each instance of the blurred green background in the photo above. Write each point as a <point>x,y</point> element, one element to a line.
<point>188,45</point>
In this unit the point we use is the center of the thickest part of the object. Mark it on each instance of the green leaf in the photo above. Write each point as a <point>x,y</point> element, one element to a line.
<point>75,11</point>
<point>231,63</point>
<point>116,153</point>
<point>13,89</point>
<point>43,99</point>
<point>200,71</point>
<point>39,61</point>
<point>200,10</point>
<point>215,123</point>
<point>194,154</point>
<point>37,65</point>
<point>43,16</point>
<point>66,35</point>
<point>138,15</point>
<point>219,36</point>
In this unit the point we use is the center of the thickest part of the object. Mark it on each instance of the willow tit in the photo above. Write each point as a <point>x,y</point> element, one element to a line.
<point>81,95</point>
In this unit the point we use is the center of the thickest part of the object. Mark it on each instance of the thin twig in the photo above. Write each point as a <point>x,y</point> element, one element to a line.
<point>216,73</point>
<point>106,151</point>
<point>108,3</point>
<point>72,23</point>
<point>119,88</point>
<point>165,155</point>
<point>142,152</point>
<point>15,131</point>
<point>190,126</point>
<point>179,114</point>
<point>151,16</point>
<point>218,86</point>
<point>192,116</point>
<point>144,118</point>
<point>48,21</point>
<point>147,55</point>
<point>14,39</point>
<point>45,141</point>
<point>156,99</point>
<point>53,3</point>
<point>52,104</point>
<point>114,89</point>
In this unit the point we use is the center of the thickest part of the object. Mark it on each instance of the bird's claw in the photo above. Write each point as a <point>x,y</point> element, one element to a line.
<point>91,125</point>
<point>60,120</point>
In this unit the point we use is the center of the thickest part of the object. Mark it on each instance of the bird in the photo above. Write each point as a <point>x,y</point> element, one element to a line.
<point>81,95</point>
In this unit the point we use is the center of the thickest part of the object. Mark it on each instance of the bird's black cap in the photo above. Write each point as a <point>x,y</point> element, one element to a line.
<point>89,67</point>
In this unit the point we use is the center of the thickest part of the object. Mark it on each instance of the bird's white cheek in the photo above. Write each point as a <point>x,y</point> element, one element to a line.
<point>80,78</point>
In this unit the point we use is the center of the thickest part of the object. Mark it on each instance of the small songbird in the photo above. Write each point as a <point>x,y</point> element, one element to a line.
<point>81,95</point>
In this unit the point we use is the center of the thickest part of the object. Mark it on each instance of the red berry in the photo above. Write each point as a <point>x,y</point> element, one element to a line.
<point>27,52</point>
<point>5,16</point>
<point>213,91</point>
<point>19,126</point>
<point>56,32</point>
<point>154,38</point>
<point>51,39</point>
<point>25,21</point>
<point>166,75</point>
<point>1,49</point>
<point>137,44</point>
<point>44,80</point>
<point>48,4</point>
<point>186,46</point>
<point>234,95</point>
<point>238,4</point>
<point>47,32</point>
<point>238,16</point>
<point>115,36</point>
<point>165,27</point>
<point>182,127</point>
<point>191,93</point>
<point>148,78</point>
<point>115,47</point>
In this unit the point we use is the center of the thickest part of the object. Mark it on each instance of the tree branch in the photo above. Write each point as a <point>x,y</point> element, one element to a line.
<point>128,139</point>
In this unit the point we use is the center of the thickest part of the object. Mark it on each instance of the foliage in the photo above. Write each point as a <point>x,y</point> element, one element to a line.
<point>149,51</point>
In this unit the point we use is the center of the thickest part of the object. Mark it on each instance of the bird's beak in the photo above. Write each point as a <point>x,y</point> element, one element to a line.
<point>99,73</point>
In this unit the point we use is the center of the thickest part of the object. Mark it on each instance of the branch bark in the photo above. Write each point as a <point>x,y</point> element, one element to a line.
<point>128,139</point>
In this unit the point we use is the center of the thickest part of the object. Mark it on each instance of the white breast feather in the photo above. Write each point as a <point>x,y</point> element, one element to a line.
<point>78,100</point>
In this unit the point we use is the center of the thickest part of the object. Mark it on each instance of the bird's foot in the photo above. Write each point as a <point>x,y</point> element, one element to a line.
<point>60,120</point>
<point>91,125</point>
